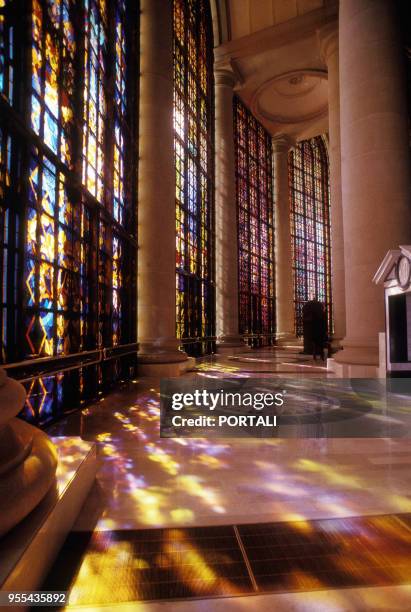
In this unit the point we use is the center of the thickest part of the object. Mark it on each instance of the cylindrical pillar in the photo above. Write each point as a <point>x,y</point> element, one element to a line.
<point>329,50</point>
<point>156,279</point>
<point>376,192</point>
<point>226,253</point>
<point>283,252</point>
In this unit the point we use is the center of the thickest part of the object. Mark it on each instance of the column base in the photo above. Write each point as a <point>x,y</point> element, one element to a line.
<point>382,370</point>
<point>166,370</point>
<point>336,344</point>
<point>352,370</point>
<point>284,339</point>
<point>163,358</point>
<point>356,362</point>
<point>231,344</point>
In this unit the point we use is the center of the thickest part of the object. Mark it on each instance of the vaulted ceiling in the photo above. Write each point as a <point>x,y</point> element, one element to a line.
<point>273,48</point>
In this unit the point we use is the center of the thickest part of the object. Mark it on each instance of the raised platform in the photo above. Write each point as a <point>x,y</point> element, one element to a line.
<point>28,551</point>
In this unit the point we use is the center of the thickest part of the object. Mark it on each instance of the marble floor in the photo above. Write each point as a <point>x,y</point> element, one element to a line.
<point>145,481</point>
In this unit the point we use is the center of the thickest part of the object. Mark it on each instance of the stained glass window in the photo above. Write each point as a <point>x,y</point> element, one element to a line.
<point>56,264</point>
<point>52,79</point>
<point>95,96</point>
<point>310,226</point>
<point>7,48</point>
<point>67,204</point>
<point>255,227</point>
<point>193,152</point>
<point>121,124</point>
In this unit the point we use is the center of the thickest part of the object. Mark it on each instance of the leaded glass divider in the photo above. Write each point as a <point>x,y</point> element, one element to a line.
<point>310,226</point>
<point>68,135</point>
<point>194,163</point>
<point>255,215</point>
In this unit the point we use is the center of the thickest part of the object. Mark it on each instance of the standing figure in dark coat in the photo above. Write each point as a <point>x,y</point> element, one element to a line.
<point>314,328</point>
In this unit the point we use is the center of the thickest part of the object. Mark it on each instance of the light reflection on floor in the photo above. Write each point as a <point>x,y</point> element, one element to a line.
<point>145,481</point>
<point>71,452</point>
<point>129,565</point>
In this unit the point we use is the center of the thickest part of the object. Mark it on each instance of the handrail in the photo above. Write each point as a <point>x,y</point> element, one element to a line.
<point>31,368</point>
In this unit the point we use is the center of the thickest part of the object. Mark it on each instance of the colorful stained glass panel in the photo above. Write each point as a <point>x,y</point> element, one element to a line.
<point>255,227</point>
<point>310,226</point>
<point>193,145</point>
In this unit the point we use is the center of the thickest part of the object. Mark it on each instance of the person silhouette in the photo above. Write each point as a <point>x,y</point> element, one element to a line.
<point>314,327</point>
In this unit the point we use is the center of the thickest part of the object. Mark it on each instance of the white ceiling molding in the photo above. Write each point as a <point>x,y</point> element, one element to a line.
<point>295,97</point>
<point>277,35</point>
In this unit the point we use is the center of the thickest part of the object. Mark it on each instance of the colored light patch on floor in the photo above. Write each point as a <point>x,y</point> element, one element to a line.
<point>115,566</point>
<point>202,562</point>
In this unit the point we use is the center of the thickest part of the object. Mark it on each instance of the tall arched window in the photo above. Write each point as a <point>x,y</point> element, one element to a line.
<point>310,226</point>
<point>68,117</point>
<point>255,227</point>
<point>193,152</point>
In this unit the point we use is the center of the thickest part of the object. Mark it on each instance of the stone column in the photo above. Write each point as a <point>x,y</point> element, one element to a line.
<point>159,352</point>
<point>283,253</point>
<point>328,37</point>
<point>376,191</point>
<point>228,337</point>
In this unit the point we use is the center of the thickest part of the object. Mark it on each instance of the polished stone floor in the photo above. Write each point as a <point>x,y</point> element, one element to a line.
<point>234,560</point>
<point>145,481</point>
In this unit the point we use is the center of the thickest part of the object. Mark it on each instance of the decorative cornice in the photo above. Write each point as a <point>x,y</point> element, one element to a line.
<point>277,35</point>
<point>225,76</point>
<point>282,143</point>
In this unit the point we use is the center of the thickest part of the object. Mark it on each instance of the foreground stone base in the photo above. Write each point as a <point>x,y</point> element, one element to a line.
<point>28,551</point>
<point>28,459</point>
<point>28,474</point>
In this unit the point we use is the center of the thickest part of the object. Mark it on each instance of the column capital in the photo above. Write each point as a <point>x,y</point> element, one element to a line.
<point>327,37</point>
<point>282,143</point>
<point>225,76</point>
